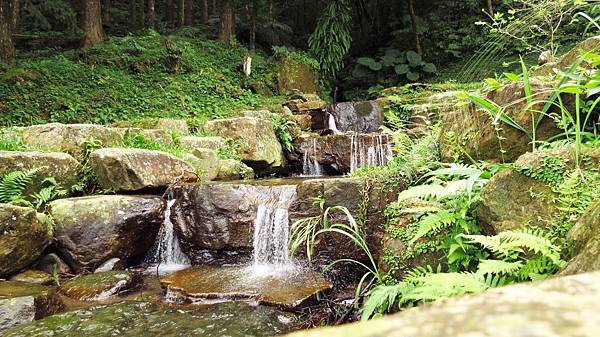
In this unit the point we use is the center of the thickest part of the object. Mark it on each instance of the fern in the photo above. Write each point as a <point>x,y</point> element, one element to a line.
<point>490,267</point>
<point>13,185</point>
<point>433,222</point>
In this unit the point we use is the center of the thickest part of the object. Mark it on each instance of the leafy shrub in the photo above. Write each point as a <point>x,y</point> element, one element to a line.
<point>409,65</point>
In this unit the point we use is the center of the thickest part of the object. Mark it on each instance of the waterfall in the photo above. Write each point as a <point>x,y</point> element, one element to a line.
<point>331,125</point>
<point>311,166</point>
<point>377,152</point>
<point>271,231</point>
<point>167,255</point>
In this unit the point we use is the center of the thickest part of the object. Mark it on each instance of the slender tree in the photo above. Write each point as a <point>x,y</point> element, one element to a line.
<point>6,45</point>
<point>205,12</point>
<point>14,15</point>
<point>415,31</point>
<point>169,12</point>
<point>189,12</point>
<point>151,17</point>
<point>226,22</point>
<point>92,24</point>
<point>133,15</point>
<point>106,12</point>
<point>180,13</point>
<point>253,13</point>
<point>215,8</point>
<point>490,7</point>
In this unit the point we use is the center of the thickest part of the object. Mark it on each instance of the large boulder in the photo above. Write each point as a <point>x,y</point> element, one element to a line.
<point>474,131</point>
<point>167,124</point>
<point>136,169</point>
<point>61,166</point>
<point>517,197</point>
<point>195,142</point>
<point>205,162</point>
<point>231,169</point>
<point>100,286</point>
<point>218,219</point>
<point>70,138</point>
<point>295,76</point>
<point>21,303</point>
<point>159,136</point>
<point>24,234</point>
<point>91,230</point>
<point>584,240</point>
<point>360,117</point>
<point>565,62</point>
<point>260,147</point>
<point>561,307</point>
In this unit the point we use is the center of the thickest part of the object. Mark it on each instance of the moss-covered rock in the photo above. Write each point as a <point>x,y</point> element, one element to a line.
<point>194,142</point>
<point>22,303</point>
<point>100,286</point>
<point>165,124</point>
<point>472,130</point>
<point>33,276</point>
<point>159,136</point>
<point>231,169</point>
<point>91,230</point>
<point>584,240</point>
<point>136,169</point>
<point>61,166</point>
<point>260,147</point>
<point>295,76</point>
<point>24,234</point>
<point>205,162</point>
<point>70,138</point>
<point>562,307</point>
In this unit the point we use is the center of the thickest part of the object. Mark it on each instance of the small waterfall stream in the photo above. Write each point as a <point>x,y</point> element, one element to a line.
<point>271,231</point>
<point>167,255</point>
<point>375,150</point>
<point>311,166</point>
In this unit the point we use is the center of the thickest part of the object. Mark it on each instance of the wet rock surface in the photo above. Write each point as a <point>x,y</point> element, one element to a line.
<point>358,116</point>
<point>24,234</point>
<point>146,319</point>
<point>287,289</point>
<point>564,307</point>
<point>21,303</point>
<point>61,166</point>
<point>100,286</point>
<point>91,230</point>
<point>33,276</point>
<point>136,169</point>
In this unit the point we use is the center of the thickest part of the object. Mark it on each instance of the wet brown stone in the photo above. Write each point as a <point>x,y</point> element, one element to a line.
<point>33,276</point>
<point>22,302</point>
<point>100,286</point>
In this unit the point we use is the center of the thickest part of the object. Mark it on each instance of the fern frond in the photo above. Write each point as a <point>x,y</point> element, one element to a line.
<point>433,222</point>
<point>445,285</point>
<point>382,298</point>
<point>14,183</point>
<point>498,267</point>
<point>424,192</point>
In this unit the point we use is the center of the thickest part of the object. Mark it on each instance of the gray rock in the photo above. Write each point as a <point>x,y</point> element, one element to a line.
<point>61,166</point>
<point>231,169</point>
<point>112,264</point>
<point>100,286</point>
<point>194,142</point>
<point>21,303</point>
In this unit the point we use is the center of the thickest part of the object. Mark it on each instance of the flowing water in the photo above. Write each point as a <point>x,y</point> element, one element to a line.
<point>311,166</point>
<point>332,125</point>
<point>375,150</point>
<point>166,255</point>
<point>271,231</point>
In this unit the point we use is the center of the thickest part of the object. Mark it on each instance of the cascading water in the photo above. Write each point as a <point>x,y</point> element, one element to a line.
<point>271,231</point>
<point>310,165</point>
<point>377,152</point>
<point>331,124</point>
<point>167,255</point>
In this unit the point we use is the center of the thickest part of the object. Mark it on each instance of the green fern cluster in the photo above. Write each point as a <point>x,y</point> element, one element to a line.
<point>14,184</point>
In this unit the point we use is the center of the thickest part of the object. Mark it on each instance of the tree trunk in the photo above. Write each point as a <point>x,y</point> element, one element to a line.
<point>205,12</point>
<point>133,15</point>
<point>106,12</point>
<point>141,13</point>
<point>189,12</point>
<point>180,13</point>
<point>92,24</point>
<point>215,8</point>
<point>413,20</point>
<point>226,22</point>
<point>169,12</point>
<point>151,23</point>
<point>14,15</point>
<point>253,13</point>
<point>6,46</point>
<point>490,7</point>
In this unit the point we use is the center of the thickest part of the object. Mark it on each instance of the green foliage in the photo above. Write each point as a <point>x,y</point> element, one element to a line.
<point>88,182</point>
<point>297,55</point>
<point>14,184</point>
<point>126,78</point>
<point>282,127</point>
<point>408,66</point>
<point>331,39</point>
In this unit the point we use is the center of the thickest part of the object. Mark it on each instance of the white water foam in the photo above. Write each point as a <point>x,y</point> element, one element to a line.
<point>377,152</point>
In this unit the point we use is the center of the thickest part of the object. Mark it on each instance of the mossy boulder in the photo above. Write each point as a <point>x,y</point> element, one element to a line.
<point>473,130</point>
<point>260,147</point>
<point>194,142</point>
<point>205,162</point>
<point>61,166</point>
<point>295,76</point>
<point>584,240</point>
<point>231,169</point>
<point>159,136</point>
<point>169,124</point>
<point>33,276</point>
<point>91,230</point>
<point>136,169</point>
<point>22,303</point>
<point>100,286</point>
<point>70,138</point>
<point>561,307</point>
<point>591,44</point>
<point>24,234</point>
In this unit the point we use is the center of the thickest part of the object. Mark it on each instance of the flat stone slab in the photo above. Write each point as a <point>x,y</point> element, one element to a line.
<point>560,307</point>
<point>146,319</point>
<point>208,284</point>
<point>100,286</point>
<point>21,303</point>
